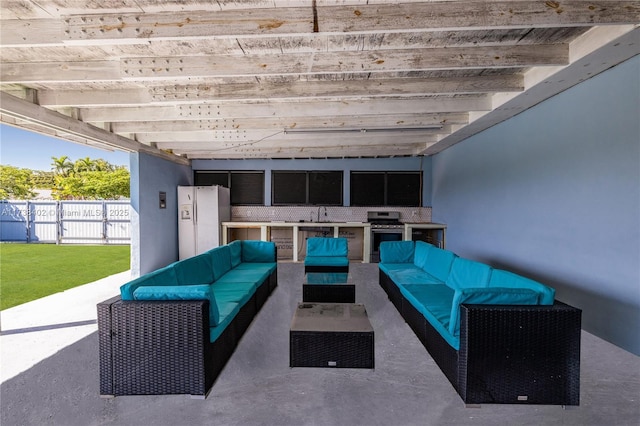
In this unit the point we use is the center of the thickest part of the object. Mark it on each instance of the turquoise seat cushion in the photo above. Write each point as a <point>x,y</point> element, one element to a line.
<point>236,275</point>
<point>220,260</point>
<point>258,251</point>
<point>236,292</point>
<point>467,273</point>
<point>439,262</point>
<point>389,268</point>
<point>326,261</point>
<point>327,247</point>
<point>413,275</point>
<point>397,252</point>
<point>161,277</point>
<point>181,292</point>
<point>235,251</point>
<point>501,278</point>
<point>268,267</point>
<point>228,311</point>
<point>195,270</point>
<point>434,303</point>
<point>489,296</point>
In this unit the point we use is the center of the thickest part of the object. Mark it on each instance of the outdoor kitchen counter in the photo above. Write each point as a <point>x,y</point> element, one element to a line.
<point>265,232</point>
<point>409,227</point>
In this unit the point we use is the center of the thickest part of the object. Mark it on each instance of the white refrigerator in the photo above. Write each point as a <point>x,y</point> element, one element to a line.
<point>201,209</point>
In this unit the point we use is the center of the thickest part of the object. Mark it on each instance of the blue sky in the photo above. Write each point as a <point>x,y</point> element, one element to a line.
<point>24,149</point>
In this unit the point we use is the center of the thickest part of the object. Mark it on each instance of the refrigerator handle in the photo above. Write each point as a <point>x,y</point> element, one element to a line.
<point>195,213</point>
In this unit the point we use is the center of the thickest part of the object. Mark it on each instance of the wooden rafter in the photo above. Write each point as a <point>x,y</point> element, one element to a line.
<point>231,79</point>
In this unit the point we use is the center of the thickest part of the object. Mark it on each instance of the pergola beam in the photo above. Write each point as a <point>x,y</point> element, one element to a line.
<point>276,90</point>
<point>190,67</point>
<point>132,27</point>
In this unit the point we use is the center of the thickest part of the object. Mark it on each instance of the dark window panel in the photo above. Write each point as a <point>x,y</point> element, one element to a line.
<point>289,187</point>
<point>211,178</point>
<point>367,189</point>
<point>325,188</point>
<point>247,188</point>
<point>403,189</point>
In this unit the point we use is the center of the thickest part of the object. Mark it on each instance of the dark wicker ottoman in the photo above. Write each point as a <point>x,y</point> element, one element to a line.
<point>331,335</point>
<point>331,287</point>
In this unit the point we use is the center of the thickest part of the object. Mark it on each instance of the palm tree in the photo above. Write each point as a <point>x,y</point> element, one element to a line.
<point>62,165</point>
<point>85,164</point>
<point>101,165</point>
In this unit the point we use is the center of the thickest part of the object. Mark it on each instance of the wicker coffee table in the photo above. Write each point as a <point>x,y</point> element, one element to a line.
<point>335,335</point>
<point>331,287</point>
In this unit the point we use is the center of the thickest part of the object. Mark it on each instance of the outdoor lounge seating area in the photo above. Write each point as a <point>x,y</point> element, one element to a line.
<point>171,331</point>
<point>497,336</point>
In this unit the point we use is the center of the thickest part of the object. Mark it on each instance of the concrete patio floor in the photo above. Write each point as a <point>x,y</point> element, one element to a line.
<point>49,373</point>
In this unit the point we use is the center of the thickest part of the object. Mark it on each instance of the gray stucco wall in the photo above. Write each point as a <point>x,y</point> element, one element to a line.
<point>154,231</point>
<point>554,194</point>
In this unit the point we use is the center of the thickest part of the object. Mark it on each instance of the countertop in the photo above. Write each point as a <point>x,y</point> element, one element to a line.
<point>276,223</point>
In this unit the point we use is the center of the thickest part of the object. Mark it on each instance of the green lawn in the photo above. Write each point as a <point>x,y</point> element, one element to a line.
<point>32,271</point>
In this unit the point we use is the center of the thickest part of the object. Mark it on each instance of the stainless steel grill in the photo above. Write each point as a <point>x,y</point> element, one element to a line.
<point>385,226</point>
<point>384,220</point>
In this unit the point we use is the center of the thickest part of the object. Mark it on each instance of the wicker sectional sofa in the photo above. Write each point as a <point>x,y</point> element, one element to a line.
<point>171,331</point>
<point>497,336</point>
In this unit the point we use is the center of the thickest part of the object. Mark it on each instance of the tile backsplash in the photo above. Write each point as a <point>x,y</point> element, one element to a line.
<point>323,214</point>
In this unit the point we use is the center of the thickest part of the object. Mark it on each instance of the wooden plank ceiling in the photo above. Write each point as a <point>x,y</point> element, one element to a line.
<point>195,79</point>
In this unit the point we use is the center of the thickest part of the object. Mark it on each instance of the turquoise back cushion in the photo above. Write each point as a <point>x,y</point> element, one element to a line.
<point>500,278</point>
<point>397,251</point>
<point>220,261</point>
<point>439,262</point>
<point>467,273</point>
<point>235,250</point>
<point>194,270</point>
<point>317,246</point>
<point>161,277</point>
<point>258,251</point>
<point>182,292</point>
<point>421,252</point>
<point>489,296</point>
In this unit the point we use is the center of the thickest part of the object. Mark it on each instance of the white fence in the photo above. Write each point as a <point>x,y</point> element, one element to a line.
<point>74,222</point>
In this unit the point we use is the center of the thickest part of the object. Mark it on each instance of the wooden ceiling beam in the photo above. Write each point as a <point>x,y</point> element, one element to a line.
<point>305,152</point>
<point>198,93</point>
<point>292,110</point>
<point>280,123</point>
<point>190,67</point>
<point>281,141</point>
<point>478,15</point>
<point>100,26</point>
<point>401,60</point>
<point>323,136</point>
